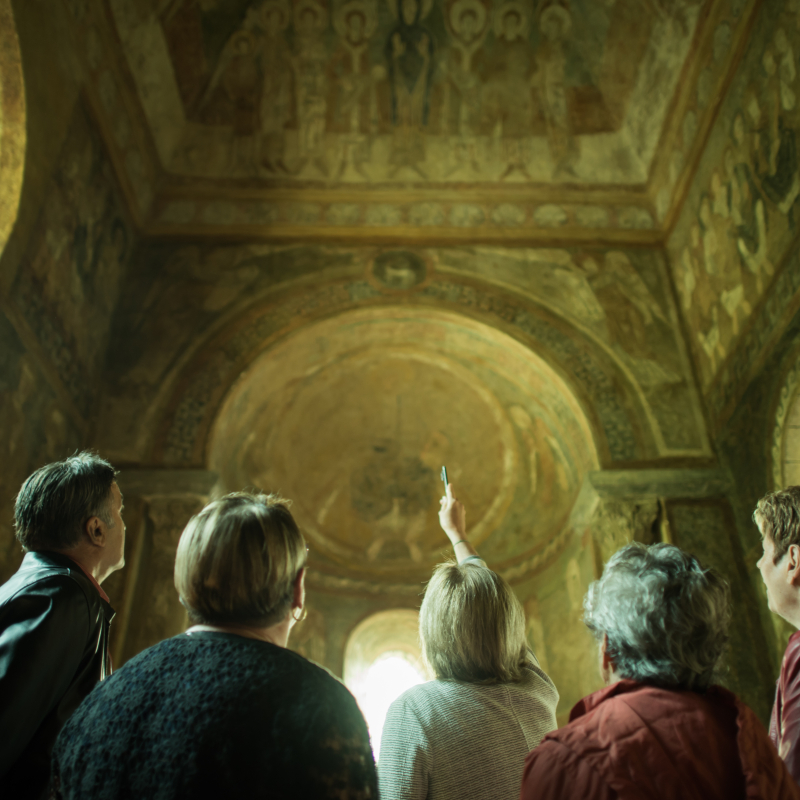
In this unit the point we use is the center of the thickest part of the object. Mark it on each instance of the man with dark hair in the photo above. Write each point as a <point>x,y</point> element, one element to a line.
<point>54,617</point>
<point>778,518</point>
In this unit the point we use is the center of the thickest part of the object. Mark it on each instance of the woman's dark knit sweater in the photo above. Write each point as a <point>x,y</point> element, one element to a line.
<point>216,715</point>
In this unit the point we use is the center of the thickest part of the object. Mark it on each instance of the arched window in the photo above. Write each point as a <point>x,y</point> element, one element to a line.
<point>383,659</point>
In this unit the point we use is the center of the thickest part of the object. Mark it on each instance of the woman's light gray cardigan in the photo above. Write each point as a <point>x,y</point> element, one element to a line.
<point>447,740</point>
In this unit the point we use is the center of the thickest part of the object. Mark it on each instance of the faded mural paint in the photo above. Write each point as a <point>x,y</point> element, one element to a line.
<point>64,295</point>
<point>364,90</point>
<point>70,278</point>
<point>34,430</point>
<point>618,300</point>
<point>741,213</point>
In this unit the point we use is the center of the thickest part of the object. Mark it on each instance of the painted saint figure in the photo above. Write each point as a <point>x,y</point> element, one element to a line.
<point>277,94</point>
<point>774,141</point>
<point>507,101</point>
<point>252,88</point>
<point>467,22</point>
<point>311,84</point>
<point>555,24</point>
<point>409,54</point>
<point>241,84</point>
<point>752,241</point>
<point>354,110</point>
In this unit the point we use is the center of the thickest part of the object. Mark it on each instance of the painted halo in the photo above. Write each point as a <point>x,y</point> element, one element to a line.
<point>462,7</point>
<point>272,6</point>
<point>512,7</point>
<point>363,7</point>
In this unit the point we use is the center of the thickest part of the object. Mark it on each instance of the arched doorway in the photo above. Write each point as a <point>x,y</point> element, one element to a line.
<point>383,659</point>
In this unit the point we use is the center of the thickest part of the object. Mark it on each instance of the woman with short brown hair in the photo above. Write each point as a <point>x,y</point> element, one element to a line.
<point>241,559</point>
<point>465,735</point>
<point>224,709</point>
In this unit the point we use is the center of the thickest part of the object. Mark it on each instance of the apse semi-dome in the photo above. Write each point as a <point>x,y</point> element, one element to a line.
<point>353,417</point>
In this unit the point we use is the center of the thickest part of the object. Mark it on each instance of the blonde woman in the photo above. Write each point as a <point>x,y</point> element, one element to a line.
<point>465,735</point>
<point>223,710</point>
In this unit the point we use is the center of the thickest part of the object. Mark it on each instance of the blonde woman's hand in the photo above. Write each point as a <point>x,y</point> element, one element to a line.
<point>452,516</point>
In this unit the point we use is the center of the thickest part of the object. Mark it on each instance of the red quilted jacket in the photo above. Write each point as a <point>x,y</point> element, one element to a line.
<point>635,742</point>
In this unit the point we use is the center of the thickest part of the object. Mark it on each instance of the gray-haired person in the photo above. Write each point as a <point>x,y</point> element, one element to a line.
<point>54,617</point>
<point>465,735</point>
<point>660,728</point>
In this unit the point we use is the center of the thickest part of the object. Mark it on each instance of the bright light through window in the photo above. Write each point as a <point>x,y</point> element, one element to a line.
<point>386,679</point>
<point>382,659</point>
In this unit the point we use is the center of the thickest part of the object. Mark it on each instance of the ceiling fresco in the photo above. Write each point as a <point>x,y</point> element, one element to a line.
<point>432,120</point>
<point>730,244</point>
<point>376,91</point>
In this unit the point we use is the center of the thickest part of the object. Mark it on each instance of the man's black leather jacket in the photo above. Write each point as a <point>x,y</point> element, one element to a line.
<point>53,650</point>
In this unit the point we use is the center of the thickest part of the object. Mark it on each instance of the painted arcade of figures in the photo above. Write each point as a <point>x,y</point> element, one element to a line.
<point>743,213</point>
<point>226,705</point>
<point>367,90</point>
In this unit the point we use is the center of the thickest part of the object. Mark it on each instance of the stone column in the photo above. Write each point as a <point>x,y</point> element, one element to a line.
<point>164,500</point>
<point>691,509</point>
<point>622,506</point>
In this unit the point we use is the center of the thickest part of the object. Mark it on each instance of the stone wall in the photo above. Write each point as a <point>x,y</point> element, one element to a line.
<point>736,266</point>
<point>749,444</point>
<point>60,271</point>
<point>34,429</point>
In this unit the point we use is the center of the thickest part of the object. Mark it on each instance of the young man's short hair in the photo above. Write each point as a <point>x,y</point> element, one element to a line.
<point>777,515</point>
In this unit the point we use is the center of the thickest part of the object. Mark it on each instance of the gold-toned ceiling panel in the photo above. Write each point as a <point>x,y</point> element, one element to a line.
<point>448,121</point>
<point>368,92</point>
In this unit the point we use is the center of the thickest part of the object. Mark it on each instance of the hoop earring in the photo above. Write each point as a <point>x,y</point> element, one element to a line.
<point>303,613</point>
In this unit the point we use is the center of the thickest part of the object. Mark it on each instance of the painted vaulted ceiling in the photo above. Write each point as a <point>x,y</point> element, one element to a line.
<point>508,121</point>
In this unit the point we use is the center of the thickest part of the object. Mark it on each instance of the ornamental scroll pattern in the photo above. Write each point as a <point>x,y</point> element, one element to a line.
<point>192,413</point>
